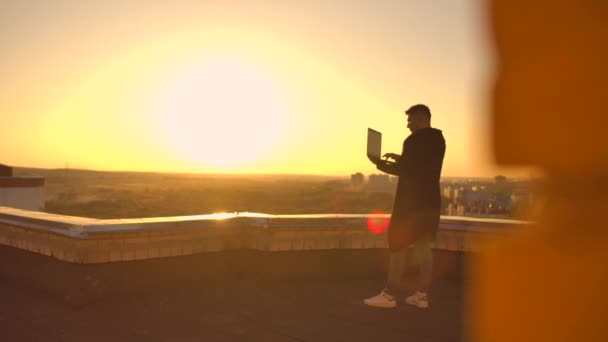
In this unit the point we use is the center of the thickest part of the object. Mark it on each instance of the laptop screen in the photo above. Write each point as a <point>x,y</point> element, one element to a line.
<point>374,143</point>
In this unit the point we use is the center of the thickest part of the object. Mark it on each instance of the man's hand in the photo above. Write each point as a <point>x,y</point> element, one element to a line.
<point>393,156</point>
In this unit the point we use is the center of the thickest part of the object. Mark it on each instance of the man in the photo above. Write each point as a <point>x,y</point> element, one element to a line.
<point>417,206</point>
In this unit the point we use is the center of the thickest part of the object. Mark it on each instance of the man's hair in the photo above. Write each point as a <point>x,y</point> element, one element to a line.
<point>419,109</point>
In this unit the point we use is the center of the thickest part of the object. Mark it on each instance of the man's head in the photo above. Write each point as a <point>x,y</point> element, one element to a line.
<point>418,117</point>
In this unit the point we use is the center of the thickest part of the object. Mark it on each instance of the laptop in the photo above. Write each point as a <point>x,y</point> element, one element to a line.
<point>374,145</point>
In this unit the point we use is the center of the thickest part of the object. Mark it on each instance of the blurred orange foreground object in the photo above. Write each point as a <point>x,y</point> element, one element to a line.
<point>550,110</point>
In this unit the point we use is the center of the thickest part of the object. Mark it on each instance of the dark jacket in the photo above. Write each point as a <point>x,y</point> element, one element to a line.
<point>418,200</point>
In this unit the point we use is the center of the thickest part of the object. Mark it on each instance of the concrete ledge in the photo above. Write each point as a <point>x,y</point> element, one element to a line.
<point>86,240</point>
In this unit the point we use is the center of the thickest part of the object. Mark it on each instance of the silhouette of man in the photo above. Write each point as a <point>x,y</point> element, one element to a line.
<point>416,209</point>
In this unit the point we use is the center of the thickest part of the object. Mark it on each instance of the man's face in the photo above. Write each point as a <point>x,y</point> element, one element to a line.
<point>413,122</point>
<point>416,122</point>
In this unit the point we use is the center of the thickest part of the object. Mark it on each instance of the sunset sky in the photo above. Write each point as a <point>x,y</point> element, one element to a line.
<point>239,86</point>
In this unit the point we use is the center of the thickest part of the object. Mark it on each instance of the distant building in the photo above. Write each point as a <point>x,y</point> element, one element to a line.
<point>500,179</point>
<point>460,210</point>
<point>470,195</point>
<point>450,211</point>
<point>379,183</point>
<point>520,196</point>
<point>357,180</point>
<point>448,192</point>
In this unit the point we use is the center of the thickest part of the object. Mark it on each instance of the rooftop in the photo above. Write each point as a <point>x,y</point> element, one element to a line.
<point>228,277</point>
<point>222,296</point>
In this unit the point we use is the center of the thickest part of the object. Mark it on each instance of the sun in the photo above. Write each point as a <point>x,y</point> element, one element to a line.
<point>222,114</point>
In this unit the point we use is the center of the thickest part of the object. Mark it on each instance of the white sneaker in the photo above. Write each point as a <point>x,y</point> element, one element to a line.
<point>382,300</point>
<point>418,299</point>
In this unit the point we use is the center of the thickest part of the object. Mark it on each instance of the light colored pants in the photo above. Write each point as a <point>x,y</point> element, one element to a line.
<point>420,255</point>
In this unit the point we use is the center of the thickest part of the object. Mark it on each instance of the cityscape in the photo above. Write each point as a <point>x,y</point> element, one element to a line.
<point>102,194</point>
<point>498,197</point>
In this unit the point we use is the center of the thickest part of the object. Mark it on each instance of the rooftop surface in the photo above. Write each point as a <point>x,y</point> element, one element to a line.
<point>238,295</point>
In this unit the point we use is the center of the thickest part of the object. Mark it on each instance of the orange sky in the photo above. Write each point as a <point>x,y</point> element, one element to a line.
<point>249,87</point>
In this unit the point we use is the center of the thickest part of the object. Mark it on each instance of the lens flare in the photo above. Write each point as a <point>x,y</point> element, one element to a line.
<point>377,222</point>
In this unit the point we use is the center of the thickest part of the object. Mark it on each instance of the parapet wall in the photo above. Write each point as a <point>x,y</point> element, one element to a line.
<point>86,240</point>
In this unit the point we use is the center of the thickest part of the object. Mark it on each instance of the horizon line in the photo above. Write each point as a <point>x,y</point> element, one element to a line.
<point>248,173</point>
